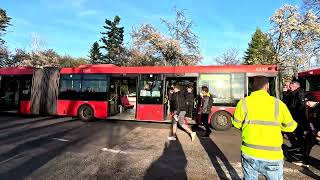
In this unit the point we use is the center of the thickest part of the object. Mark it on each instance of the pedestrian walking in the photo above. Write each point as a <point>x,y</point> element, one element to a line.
<point>207,101</point>
<point>261,118</point>
<point>179,107</point>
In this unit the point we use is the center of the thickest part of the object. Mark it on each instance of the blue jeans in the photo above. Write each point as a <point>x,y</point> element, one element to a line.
<point>252,167</point>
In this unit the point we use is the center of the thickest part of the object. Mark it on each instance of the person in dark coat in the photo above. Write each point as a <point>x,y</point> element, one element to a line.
<point>297,108</point>
<point>189,102</point>
<point>179,107</point>
<point>207,101</point>
<point>287,99</point>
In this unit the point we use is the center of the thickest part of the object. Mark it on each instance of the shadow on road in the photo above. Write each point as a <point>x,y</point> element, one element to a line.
<point>171,164</point>
<point>26,150</point>
<point>215,154</point>
<point>295,155</point>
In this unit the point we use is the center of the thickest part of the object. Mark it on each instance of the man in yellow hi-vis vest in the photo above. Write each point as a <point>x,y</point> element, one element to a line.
<point>261,119</point>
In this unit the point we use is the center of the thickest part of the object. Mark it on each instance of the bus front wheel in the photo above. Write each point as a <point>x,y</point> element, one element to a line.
<point>85,113</point>
<point>221,121</point>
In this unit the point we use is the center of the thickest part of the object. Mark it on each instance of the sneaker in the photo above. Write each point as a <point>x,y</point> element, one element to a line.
<point>301,164</point>
<point>293,149</point>
<point>193,136</point>
<point>172,138</point>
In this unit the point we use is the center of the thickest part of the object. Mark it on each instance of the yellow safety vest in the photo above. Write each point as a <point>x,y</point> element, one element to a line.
<point>261,118</point>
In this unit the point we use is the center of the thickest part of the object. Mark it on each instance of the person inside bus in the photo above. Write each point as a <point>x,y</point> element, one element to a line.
<point>125,101</point>
<point>189,102</point>
<point>206,105</point>
<point>179,107</point>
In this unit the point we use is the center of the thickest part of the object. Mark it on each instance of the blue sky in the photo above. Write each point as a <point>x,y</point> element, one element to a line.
<point>71,26</point>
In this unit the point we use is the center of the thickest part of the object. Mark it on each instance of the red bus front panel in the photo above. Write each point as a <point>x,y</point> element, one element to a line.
<point>70,108</point>
<point>25,107</point>
<point>150,112</point>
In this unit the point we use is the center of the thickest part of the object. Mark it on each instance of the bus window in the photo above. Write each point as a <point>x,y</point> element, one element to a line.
<point>94,87</point>
<point>150,90</point>
<point>219,86</point>
<point>312,84</point>
<point>238,87</point>
<point>70,86</point>
<point>25,91</point>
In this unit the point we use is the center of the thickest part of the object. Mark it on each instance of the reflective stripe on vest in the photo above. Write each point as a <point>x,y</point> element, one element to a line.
<point>288,125</point>
<point>262,122</point>
<point>268,148</point>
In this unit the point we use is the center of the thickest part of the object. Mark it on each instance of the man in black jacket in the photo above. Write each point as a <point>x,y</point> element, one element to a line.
<point>297,107</point>
<point>179,107</point>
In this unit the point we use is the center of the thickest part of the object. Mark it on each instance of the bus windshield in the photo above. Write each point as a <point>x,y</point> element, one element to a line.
<point>150,88</point>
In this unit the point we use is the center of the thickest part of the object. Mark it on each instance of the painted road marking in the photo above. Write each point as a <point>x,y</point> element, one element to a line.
<point>114,151</point>
<point>59,139</point>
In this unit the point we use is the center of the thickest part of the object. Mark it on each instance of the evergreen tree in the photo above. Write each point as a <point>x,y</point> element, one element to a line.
<point>113,42</point>
<point>4,23</point>
<point>260,50</point>
<point>95,54</point>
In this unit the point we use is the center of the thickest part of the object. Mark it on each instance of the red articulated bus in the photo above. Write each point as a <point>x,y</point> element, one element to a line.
<point>128,93</point>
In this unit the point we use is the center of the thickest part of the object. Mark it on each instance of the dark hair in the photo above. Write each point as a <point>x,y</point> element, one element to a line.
<point>189,86</point>
<point>178,86</point>
<point>205,89</point>
<point>259,82</point>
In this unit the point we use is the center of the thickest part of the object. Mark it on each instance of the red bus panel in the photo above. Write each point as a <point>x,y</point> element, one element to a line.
<point>150,112</point>
<point>70,108</point>
<point>25,107</point>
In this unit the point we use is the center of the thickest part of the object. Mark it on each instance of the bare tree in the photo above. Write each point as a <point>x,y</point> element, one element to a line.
<point>229,57</point>
<point>312,5</point>
<point>181,30</point>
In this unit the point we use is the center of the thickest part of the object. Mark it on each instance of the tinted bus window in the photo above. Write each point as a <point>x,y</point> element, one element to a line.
<point>70,86</point>
<point>313,83</point>
<point>94,87</point>
<point>25,89</point>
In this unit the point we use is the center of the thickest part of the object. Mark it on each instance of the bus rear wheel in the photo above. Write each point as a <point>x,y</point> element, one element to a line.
<point>221,121</point>
<point>85,113</point>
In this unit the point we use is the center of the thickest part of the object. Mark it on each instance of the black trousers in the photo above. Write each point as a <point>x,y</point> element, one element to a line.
<point>306,147</point>
<point>204,119</point>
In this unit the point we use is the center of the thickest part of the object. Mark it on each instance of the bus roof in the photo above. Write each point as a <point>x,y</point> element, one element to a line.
<point>310,72</point>
<point>92,69</point>
<point>16,70</point>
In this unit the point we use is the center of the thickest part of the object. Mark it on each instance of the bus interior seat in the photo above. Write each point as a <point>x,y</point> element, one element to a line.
<point>125,102</point>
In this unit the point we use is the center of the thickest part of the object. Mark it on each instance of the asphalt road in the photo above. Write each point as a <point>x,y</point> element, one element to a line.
<point>65,148</point>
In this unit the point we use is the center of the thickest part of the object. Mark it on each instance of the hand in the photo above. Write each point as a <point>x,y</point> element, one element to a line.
<point>311,103</point>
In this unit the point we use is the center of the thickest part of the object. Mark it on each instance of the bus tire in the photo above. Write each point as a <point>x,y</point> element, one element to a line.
<point>221,121</point>
<point>85,113</point>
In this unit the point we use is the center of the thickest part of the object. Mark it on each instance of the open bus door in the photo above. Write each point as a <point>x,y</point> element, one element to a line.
<point>273,86</point>
<point>184,82</point>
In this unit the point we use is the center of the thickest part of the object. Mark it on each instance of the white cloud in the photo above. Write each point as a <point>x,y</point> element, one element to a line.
<point>86,13</point>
